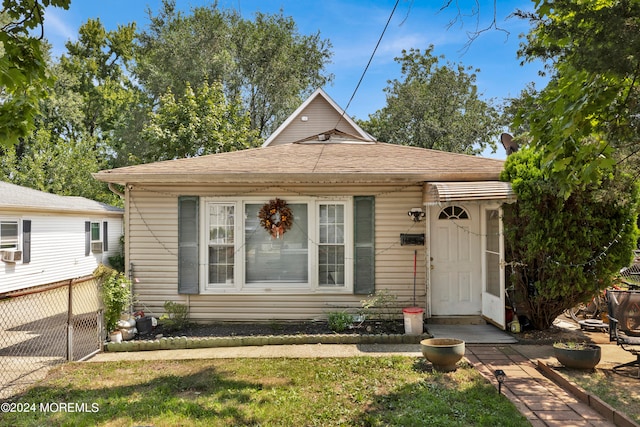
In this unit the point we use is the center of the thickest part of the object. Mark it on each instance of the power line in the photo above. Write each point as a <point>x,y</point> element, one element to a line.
<point>368,64</point>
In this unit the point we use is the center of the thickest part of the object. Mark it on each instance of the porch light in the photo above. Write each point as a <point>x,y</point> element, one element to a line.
<point>500,376</point>
<point>416,214</point>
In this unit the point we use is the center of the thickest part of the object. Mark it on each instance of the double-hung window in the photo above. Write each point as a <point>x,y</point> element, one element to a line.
<point>331,244</point>
<point>221,247</point>
<point>9,234</point>
<point>314,255</point>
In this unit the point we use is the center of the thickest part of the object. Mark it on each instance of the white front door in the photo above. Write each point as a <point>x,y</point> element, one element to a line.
<point>493,267</point>
<point>456,273</point>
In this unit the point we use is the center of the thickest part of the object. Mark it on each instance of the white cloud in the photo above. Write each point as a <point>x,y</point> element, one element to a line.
<point>55,25</point>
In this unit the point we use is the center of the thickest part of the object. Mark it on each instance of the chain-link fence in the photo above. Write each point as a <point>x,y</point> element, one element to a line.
<point>45,326</point>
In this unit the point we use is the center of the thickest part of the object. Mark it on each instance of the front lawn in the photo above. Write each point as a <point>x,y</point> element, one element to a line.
<point>358,391</point>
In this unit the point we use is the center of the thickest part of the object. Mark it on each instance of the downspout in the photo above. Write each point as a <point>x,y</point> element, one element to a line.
<point>115,191</point>
<point>427,277</point>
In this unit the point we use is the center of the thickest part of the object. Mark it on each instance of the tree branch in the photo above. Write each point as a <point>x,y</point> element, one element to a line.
<point>475,12</point>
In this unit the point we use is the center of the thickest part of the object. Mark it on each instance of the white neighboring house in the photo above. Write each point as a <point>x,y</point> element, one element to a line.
<point>47,238</point>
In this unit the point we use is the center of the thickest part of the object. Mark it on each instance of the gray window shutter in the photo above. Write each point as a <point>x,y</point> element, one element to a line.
<point>188,251</point>
<point>364,247</point>
<point>87,238</point>
<point>26,241</point>
<point>105,236</point>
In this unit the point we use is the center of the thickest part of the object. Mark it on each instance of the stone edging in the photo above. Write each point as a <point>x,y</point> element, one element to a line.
<point>239,341</point>
<point>594,402</point>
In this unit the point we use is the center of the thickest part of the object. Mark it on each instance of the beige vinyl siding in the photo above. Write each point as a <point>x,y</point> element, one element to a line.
<point>321,117</point>
<point>152,249</point>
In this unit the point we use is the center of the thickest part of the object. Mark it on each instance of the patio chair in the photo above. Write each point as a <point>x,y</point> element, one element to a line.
<point>624,323</point>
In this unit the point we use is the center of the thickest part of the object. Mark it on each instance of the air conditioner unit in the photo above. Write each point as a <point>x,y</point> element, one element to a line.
<point>11,255</point>
<point>96,247</point>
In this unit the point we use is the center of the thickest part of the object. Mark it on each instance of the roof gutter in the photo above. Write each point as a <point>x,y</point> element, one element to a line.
<point>298,178</point>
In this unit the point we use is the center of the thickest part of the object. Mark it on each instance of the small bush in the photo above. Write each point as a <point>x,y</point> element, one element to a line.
<point>382,305</point>
<point>175,316</point>
<point>339,321</point>
<point>115,290</point>
<point>117,260</point>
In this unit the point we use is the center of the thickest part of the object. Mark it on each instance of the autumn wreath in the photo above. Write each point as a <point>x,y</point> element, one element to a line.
<point>276,217</point>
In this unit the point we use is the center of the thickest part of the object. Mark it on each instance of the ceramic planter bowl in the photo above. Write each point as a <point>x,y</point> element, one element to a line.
<point>443,353</point>
<point>577,356</point>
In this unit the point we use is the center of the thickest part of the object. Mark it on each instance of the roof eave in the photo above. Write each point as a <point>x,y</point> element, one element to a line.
<point>298,178</point>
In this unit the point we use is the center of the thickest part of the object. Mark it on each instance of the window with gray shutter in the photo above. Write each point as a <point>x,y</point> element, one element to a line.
<point>188,248</point>
<point>364,247</point>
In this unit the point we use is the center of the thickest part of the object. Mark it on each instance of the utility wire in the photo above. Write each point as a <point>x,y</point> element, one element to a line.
<point>368,64</point>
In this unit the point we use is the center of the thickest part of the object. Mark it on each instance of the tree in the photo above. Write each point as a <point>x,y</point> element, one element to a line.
<point>73,135</point>
<point>23,74</point>
<point>588,117</point>
<point>564,250</point>
<point>50,163</point>
<point>176,48</point>
<point>275,68</point>
<point>265,62</point>
<point>197,124</point>
<point>434,106</point>
<point>96,65</point>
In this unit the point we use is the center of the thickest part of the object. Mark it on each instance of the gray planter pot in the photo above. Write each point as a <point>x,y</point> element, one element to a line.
<point>443,353</point>
<point>582,356</point>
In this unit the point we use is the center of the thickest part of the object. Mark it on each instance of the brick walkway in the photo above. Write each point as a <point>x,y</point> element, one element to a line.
<point>542,401</point>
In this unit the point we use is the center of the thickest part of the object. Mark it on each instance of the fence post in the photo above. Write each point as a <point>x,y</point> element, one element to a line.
<point>101,334</point>
<point>70,323</point>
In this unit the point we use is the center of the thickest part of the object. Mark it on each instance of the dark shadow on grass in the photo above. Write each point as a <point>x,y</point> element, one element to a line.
<point>203,395</point>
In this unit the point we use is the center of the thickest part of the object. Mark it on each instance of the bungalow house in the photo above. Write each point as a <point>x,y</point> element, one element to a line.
<point>316,219</point>
<point>46,238</point>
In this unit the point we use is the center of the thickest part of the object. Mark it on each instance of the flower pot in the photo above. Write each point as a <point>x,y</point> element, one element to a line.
<point>115,336</point>
<point>443,353</point>
<point>144,325</point>
<point>577,356</point>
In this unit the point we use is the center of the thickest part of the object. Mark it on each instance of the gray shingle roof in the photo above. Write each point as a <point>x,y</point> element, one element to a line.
<point>16,197</point>
<point>352,161</point>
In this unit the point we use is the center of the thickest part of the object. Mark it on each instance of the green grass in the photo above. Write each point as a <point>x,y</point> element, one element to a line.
<point>358,391</point>
<point>617,390</point>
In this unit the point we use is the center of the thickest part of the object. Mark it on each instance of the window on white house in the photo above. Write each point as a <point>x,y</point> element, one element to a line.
<point>95,232</point>
<point>8,234</point>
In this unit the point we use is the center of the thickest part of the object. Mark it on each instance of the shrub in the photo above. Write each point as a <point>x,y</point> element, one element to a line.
<point>115,291</point>
<point>339,321</point>
<point>175,315</point>
<point>564,250</point>
<point>381,305</point>
<point>117,260</point>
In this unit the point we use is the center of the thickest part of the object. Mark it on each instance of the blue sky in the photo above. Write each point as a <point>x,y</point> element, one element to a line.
<point>353,27</point>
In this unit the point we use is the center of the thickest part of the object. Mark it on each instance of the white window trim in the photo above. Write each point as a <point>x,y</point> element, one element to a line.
<point>18,234</point>
<point>204,247</point>
<point>99,239</point>
<point>239,286</point>
<point>348,246</point>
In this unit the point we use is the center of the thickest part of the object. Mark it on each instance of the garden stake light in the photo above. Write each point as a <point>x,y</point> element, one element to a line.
<point>500,376</point>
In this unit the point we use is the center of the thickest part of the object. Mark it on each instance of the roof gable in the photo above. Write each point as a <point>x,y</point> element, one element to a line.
<point>319,114</point>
